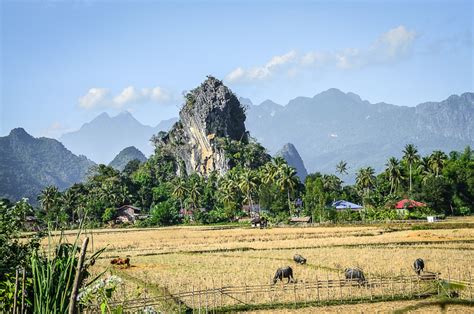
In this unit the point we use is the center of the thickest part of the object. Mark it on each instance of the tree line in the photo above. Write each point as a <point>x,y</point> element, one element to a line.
<point>444,182</point>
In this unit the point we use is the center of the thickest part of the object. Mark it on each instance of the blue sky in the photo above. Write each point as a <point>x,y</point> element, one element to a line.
<point>64,62</point>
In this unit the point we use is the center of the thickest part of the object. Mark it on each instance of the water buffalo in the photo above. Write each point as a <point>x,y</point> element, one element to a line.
<point>121,261</point>
<point>299,259</point>
<point>283,272</point>
<point>355,274</point>
<point>418,266</point>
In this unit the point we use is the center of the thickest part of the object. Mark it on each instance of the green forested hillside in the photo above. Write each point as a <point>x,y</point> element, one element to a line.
<point>28,164</point>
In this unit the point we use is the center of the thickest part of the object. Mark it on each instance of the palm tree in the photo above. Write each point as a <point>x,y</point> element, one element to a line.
<point>49,200</point>
<point>180,190</point>
<point>410,156</point>
<point>68,202</point>
<point>247,184</point>
<point>365,180</point>
<point>287,180</point>
<point>268,173</point>
<point>424,168</point>
<point>341,167</point>
<point>394,173</point>
<point>437,161</point>
<point>194,194</point>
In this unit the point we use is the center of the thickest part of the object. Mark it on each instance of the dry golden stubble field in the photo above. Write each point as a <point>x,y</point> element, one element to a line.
<point>180,258</point>
<point>378,307</point>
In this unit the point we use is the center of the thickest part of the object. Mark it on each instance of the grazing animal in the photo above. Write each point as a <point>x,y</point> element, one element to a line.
<point>121,261</point>
<point>284,272</point>
<point>355,274</point>
<point>299,259</point>
<point>418,266</point>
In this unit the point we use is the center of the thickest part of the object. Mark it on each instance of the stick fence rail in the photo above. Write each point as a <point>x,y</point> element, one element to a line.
<point>325,291</point>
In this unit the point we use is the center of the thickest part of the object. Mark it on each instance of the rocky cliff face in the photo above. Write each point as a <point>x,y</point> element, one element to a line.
<point>211,114</point>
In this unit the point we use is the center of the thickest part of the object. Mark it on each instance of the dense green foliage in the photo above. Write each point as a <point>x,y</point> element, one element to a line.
<point>444,182</point>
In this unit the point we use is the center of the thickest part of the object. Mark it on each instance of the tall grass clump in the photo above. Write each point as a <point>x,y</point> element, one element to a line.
<point>53,272</point>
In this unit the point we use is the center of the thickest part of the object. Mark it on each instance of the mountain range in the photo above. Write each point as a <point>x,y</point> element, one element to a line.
<point>334,126</point>
<point>104,137</point>
<point>327,128</point>
<point>28,164</point>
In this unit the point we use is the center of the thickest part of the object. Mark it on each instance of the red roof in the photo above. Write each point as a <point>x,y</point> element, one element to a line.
<point>406,203</point>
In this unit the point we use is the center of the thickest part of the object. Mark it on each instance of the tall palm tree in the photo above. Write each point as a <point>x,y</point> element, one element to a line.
<point>68,203</point>
<point>365,180</point>
<point>194,194</point>
<point>437,161</point>
<point>268,173</point>
<point>180,190</point>
<point>287,180</point>
<point>49,200</point>
<point>341,167</point>
<point>247,184</point>
<point>410,156</point>
<point>394,173</point>
<point>424,168</point>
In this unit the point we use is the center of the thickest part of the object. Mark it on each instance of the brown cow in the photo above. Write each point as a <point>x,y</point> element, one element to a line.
<point>121,261</point>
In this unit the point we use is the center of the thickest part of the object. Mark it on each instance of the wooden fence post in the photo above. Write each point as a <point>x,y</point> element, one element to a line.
<point>470,283</point>
<point>305,293</point>
<point>381,285</point>
<point>214,295</point>
<point>246,294</point>
<point>199,300</point>
<point>77,278</point>
<point>192,300</point>
<point>391,287</point>
<point>350,288</point>
<point>23,290</point>
<point>317,289</point>
<point>221,293</point>
<point>15,296</point>
<point>179,299</point>
<point>294,292</point>
<point>327,282</point>
<point>207,299</point>
<point>340,285</point>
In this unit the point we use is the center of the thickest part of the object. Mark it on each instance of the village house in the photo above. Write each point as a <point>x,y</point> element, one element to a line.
<point>128,214</point>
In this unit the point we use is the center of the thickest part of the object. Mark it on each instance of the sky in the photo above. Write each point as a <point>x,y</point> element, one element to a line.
<point>64,62</point>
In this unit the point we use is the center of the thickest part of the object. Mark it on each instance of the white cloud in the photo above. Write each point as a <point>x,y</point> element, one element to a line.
<point>94,97</point>
<point>389,47</point>
<point>128,95</point>
<point>262,72</point>
<point>102,98</point>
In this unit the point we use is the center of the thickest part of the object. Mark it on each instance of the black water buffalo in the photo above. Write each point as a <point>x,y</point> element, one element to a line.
<point>299,259</point>
<point>283,272</point>
<point>418,266</point>
<point>355,274</point>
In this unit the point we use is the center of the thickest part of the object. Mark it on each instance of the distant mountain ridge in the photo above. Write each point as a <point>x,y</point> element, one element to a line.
<point>104,137</point>
<point>29,164</point>
<point>125,156</point>
<point>334,126</point>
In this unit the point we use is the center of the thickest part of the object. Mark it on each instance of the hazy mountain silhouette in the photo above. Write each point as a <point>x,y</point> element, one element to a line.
<point>105,136</point>
<point>334,126</point>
